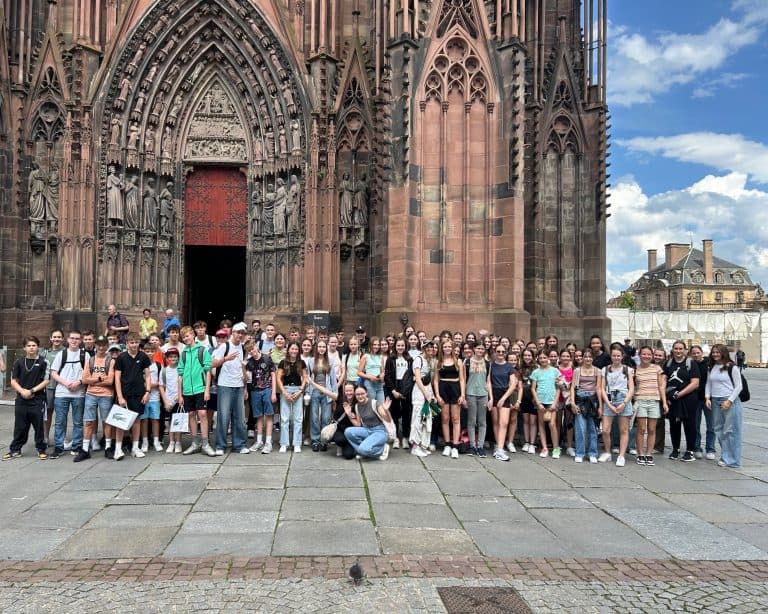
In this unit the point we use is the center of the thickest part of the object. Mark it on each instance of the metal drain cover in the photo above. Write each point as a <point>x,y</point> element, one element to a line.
<point>482,600</point>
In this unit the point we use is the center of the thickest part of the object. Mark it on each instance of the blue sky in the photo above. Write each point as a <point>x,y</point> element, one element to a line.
<point>689,104</point>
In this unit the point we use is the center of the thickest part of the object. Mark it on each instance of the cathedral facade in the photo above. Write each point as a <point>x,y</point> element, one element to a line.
<point>442,161</point>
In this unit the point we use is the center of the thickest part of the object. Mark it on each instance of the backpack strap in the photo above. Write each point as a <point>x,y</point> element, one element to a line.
<point>200,351</point>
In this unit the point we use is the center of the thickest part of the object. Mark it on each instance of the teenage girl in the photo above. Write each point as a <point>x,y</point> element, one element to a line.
<point>650,400</point>
<point>544,390</point>
<point>618,389</point>
<point>530,414</point>
<point>449,386</point>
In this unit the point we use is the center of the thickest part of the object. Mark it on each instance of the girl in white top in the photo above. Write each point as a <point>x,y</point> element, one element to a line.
<point>618,390</point>
<point>722,397</point>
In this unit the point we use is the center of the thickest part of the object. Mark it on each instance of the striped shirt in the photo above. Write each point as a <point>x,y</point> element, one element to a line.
<point>647,382</point>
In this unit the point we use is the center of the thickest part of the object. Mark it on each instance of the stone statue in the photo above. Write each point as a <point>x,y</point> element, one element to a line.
<point>281,206</point>
<point>167,210</point>
<point>346,202</point>
<point>115,185</point>
<point>138,108</point>
<point>114,132</point>
<point>256,221</point>
<point>295,137</point>
<point>149,220</point>
<point>166,150</point>
<point>132,202</point>
<point>362,200</point>
<point>288,96</point>
<point>269,146</point>
<point>258,150</point>
<point>283,142</point>
<point>294,206</point>
<point>137,58</point>
<point>173,114</point>
<point>43,199</point>
<point>268,213</point>
<point>125,90</point>
<point>149,140</point>
<point>133,136</point>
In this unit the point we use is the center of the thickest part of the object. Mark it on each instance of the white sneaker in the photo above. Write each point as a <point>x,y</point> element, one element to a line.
<point>145,447</point>
<point>417,451</point>
<point>219,452</point>
<point>454,453</point>
<point>171,447</point>
<point>531,449</point>
<point>570,452</point>
<point>604,458</point>
<point>95,447</point>
<point>385,453</point>
<point>620,461</point>
<point>137,453</point>
<point>499,454</point>
<point>633,452</point>
<point>432,447</point>
<point>406,443</point>
<point>283,449</point>
<point>614,450</point>
<point>396,444</point>
<point>245,450</point>
<point>593,459</point>
<point>251,434</point>
<point>119,454</point>
<point>447,451</point>
<point>193,447</point>
<point>578,459</point>
<point>67,446</point>
<point>267,448</point>
<point>297,449</point>
<point>158,446</point>
<point>307,442</point>
<point>698,454</point>
<point>511,447</point>
<point>178,449</point>
<point>257,447</point>
<point>710,456</point>
<point>207,449</point>
<point>525,447</point>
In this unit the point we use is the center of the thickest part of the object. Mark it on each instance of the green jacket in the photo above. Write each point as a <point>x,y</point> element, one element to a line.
<point>194,363</point>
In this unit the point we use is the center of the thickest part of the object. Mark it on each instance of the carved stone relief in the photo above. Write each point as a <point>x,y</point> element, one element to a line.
<point>43,199</point>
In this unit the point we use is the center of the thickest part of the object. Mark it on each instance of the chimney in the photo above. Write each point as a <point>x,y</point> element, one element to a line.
<point>651,259</point>
<point>673,252</point>
<point>707,249</point>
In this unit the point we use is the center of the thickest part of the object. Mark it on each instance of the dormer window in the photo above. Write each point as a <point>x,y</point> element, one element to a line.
<point>719,278</point>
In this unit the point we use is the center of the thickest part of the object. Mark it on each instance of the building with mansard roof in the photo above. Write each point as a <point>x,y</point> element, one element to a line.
<point>441,161</point>
<point>691,279</point>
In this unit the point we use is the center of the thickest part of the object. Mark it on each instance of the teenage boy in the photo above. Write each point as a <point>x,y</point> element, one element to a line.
<point>173,338</point>
<point>268,342</point>
<point>195,386</point>
<point>67,370</point>
<point>57,345</point>
<point>132,386</point>
<point>99,376</point>
<point>89,342</point>
<point>229,360</point>
<point>262,394</point>
<point>202,336</point>
<point>28,379</point>
<point>151,416</point>
<point>169,394</point>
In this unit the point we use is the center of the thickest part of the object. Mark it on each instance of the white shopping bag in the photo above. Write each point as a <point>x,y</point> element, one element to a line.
<point>121,418</point>
<point>180,422</point>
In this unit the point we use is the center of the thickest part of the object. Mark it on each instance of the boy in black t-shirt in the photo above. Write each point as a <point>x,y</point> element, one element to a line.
<point>132,386</point>
<point>29,381</point>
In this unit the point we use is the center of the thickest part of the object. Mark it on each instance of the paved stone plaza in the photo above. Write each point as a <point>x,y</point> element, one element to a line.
<point>247,527</point>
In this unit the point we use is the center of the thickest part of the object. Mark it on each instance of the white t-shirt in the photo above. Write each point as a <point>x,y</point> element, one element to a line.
<point>171,383</point>
<point>230,371</point>
<point>67,364</point>
<point>154,378</point>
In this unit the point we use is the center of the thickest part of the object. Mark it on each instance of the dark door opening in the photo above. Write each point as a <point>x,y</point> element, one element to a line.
<point>215,284</point>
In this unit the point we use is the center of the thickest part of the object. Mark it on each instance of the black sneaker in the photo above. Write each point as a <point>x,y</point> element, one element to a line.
<point>81,456</point>
<point>11,455</point>
<point>640,460</point>
<point>323,447</point>
<point>472,451</point>
<point>688,457</point>
<point>109,452</point>
<point>56,453</point>
<point>481,452</point>
<point>675,455</point>
<point>315,447</point>
<point>649,461</point>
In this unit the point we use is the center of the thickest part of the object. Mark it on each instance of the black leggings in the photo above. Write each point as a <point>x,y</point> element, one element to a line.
<point>400,410</point>
<point>687,424</point>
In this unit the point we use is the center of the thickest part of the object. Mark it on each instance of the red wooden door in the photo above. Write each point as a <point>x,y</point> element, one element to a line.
<point>216,207</point>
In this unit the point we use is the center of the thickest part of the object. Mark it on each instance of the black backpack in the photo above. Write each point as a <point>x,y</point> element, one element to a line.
<point>744,395</point>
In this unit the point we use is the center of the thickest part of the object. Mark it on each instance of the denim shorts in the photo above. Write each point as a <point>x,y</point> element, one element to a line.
<point>92,403</point>
<point>648,408</point>
<point>616,397</point>
<point>261,403</point>
<point>151,411</point>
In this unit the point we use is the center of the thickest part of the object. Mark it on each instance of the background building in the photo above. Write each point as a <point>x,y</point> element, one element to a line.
<point>443,159</point>
<point>694,279</point>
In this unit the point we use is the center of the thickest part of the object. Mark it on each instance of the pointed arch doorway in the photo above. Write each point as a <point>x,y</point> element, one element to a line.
<point>215,240</point>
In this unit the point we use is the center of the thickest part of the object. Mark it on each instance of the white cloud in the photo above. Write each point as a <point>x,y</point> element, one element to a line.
<point>640,68</point>
<point>727,80</point>
<point>719,208</point>
<point>726,152</point>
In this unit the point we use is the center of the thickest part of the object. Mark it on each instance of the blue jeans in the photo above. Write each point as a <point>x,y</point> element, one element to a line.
<point>586,435</point>
<point>710,440</point>
<point>319,414</point>
<point>727,425</point>
<point>367,441</point>
<point>230,408</point>
<point>375,390</point>
<point>61,407</point>
<point>94,403</point>
<point>291,412</point>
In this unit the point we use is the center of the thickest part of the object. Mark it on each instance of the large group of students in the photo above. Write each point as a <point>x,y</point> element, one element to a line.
<point>455,393</point>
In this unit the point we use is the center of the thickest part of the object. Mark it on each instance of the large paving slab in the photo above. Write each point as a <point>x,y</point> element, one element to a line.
<point>139,516</point>
<point>352,537</point>
<point>193,470</point>
<point>421,541</point>
<point>426,516</point>
<point>160,492</point>
<point>325,510</point>
<point>252,500</point>
<point>115,542</point>
<point>238,477</point>
<point>718,508</point>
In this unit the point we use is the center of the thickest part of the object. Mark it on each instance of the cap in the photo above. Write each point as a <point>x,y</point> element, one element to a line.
<point>360,329</point>
<point>240,326</point>
<point>172,352</point>
<point>114,346</point>
<point>222,332</point>
<point>101,340</point>
<point>627,339</point>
